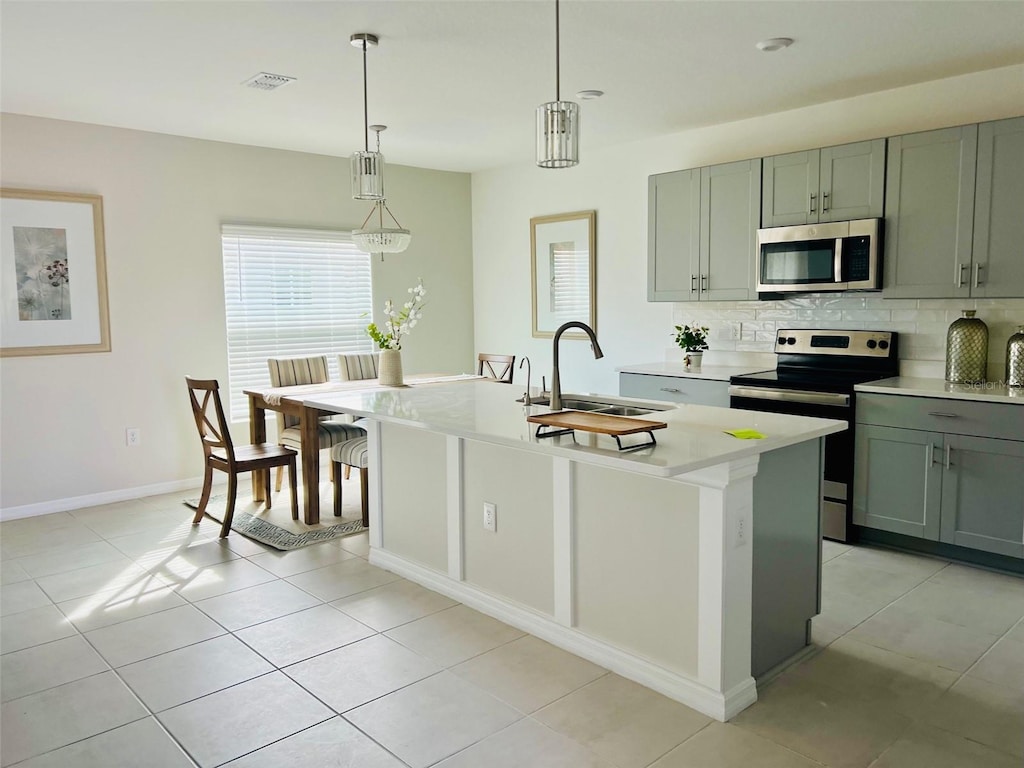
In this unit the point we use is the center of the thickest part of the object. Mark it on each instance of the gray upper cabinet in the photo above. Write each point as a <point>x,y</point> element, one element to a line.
<point>730,198</point>
<point>929,212</point>
<point>830,184</point>
<point>998,258</point>
<point>673,239</point>
<point>702,224</point>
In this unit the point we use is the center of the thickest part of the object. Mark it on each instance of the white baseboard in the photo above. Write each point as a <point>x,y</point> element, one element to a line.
<point>672,684</point>
<point>104,497</point>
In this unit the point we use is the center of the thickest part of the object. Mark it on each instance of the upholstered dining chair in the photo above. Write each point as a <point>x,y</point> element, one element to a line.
<point>295,371</point>
<point>220,453</point>
<point>498,367</point>
<point>354,366</point>
<point>351,453</point>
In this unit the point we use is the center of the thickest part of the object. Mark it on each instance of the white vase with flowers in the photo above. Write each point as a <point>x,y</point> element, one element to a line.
<point>398,323</point>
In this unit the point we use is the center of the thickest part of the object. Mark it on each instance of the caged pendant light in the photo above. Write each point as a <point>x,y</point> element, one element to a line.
<point>558,123</point>
<point>368,179</point>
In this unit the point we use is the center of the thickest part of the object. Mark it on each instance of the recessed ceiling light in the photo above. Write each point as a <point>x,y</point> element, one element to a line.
<point>589,94</point>
<point>774,44</point>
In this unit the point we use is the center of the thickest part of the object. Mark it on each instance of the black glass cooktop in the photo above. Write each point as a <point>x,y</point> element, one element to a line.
<point>816,379</point>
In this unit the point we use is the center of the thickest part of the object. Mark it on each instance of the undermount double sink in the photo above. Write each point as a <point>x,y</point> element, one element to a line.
<point>572,403</point>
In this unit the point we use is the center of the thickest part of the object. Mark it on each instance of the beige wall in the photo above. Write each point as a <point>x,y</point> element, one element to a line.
<point>614,182</point>
<point>62,418</point>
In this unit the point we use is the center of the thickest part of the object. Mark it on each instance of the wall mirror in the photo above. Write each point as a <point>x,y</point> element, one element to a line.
<point>563,270</point>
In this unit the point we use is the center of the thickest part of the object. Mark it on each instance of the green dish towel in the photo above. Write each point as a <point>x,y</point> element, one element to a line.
<point>745,434</point>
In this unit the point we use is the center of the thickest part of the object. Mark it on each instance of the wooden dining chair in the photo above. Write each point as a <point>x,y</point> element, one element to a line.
<point>351,453</point>
<point>221,454</point>
<point>498,367</point>
<point>295,371</point>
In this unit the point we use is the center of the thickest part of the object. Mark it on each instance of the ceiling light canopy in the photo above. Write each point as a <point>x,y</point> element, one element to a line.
<point>558,123</point>
<point>774,44</point>
<point>368,178</point>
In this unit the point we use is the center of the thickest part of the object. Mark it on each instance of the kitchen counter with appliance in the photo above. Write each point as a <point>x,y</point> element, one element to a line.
<point>988,392</point>
<point>714,584</point>
<point>708,372</point>
<point>816,374</point>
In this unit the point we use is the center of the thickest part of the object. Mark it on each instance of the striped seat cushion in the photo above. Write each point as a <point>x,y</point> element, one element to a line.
<point>351,452</point>
<point>354,367</point>
<point>292,371</point>
<point>330,433</point>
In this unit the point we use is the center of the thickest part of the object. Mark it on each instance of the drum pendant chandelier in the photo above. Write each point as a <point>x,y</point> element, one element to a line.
<point>368,178</point>
<point>558,123</point>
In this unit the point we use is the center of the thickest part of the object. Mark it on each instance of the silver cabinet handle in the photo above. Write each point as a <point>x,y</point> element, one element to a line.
<point>960,276</point>
<point>944,415</point>
<point>693,283</point>
<point>671,389</point>
<point>703,283</point>
<point>949,451</point>
<point>936,459</point>
<point>977,275</point>
<point>813,207</point>
<point>824,202</point>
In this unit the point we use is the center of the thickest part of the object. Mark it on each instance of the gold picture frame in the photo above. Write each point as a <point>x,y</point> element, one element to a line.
<point>53,274</point>
<point>563,272</point>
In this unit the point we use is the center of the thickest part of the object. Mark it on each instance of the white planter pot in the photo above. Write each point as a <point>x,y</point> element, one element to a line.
<point>694,360</point>
<point>390,370</point>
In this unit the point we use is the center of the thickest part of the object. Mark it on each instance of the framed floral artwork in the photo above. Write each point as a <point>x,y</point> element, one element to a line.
<point>563,271</point>
<point>53,277</point>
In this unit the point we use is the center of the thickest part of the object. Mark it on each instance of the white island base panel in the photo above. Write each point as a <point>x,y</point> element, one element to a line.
<point>649,577</point>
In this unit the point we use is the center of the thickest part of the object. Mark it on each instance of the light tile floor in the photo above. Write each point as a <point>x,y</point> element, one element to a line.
<point>130,638</point>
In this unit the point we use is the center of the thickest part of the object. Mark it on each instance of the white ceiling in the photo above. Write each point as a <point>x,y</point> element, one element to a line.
<point>457,82</point>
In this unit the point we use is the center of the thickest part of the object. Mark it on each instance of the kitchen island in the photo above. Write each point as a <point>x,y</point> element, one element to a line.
<point>690,567</point>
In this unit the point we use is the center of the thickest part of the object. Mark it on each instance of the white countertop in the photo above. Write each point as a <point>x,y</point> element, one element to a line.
<point>711,372</point>
<point>487,411</point>
<point>918,387</point>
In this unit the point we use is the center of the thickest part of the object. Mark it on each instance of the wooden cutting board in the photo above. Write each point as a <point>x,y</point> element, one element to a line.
<point>602,423</point>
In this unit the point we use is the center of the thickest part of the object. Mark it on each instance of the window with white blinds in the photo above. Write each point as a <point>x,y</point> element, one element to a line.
<point>291,293</point>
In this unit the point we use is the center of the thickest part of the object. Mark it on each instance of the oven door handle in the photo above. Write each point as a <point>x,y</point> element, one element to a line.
<point>790,396</point>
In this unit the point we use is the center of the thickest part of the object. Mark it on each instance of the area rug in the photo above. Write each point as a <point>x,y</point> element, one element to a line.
<point>262,530</point>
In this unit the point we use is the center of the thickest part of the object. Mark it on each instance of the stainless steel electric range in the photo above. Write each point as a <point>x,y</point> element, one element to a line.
<point>817,371</point>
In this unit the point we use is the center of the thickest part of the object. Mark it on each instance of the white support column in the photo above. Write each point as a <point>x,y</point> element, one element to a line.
<point>563,540</point>
<point>453,469</point>
<point>375,484</point>
<point>726,566</point>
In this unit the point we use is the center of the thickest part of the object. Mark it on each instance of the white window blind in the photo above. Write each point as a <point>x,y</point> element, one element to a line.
<point>291,293</point>
<point>570,282</point>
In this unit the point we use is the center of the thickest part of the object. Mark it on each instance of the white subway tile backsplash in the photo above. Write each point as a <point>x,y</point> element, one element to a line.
<point>750,326</point>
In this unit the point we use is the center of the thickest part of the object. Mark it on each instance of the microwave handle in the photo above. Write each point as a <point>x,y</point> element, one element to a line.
<point>838,264</point>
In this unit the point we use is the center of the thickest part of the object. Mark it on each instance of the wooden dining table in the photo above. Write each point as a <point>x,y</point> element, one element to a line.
<point>294,401</point>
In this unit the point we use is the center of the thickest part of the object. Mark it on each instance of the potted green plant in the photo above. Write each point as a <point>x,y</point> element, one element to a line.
<point>693,340</point>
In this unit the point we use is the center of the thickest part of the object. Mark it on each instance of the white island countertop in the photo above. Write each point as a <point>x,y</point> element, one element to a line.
<point>488,411</point>
<point>709,372</point>
<point>987,392</point>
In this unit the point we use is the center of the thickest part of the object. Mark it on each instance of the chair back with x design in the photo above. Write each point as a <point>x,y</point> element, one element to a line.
<point>213,431</point>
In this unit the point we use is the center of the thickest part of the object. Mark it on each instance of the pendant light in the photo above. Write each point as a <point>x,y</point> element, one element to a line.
<point>368,178</point>
<point>367,166</point>
<point>558,123</point>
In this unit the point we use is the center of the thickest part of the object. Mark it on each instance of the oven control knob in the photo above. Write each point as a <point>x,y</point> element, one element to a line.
<point>791,340</point>
<point>883,344</point>
<point>872,344</point>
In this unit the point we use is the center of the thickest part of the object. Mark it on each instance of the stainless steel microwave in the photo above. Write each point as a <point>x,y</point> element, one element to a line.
<point>837,256</point>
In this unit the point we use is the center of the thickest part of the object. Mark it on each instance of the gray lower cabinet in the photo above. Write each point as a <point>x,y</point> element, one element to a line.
<point>701,226</point>
<point>675,389</point>
<point>962,489</point>
<point>829,184</point>
<point>897,483</point>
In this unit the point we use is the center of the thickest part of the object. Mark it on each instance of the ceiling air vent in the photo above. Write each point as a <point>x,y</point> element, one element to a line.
<point>265,81</point>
